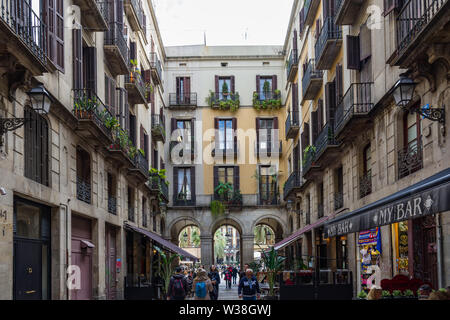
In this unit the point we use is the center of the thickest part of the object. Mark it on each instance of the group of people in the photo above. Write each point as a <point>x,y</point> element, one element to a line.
<point>201,285</point>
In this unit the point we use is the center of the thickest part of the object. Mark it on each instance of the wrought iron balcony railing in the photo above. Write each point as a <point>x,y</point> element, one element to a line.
<point>180,200</point>
<point>267,95</point>
<point>329,31</point>
<point>155,64</point>
<point>292,124</point>
<point>269,198</point>
<point>141,164</point>
<point>310,9</point>
<point>138,12</point>
<point>134,78</point>
<point>224,96</point>
<point>131,214</point>
<point>88,106</point>
<point>83,190</point>
<point>103,8</point>
<point>27,25</point>
<point>158,184</point>
<point>158,127</point>
<point>114,37</point>
<point>182,99</point>
<point>346,11</point>
<point>308,160</point>
<point>311,74</point>
<point>292,63</point>
<point>325,139</point>
<point>112,205</point>
<point>365,184</point>
<point>414,17</point>
<point>295,180</point>
<point>338,200</point>
<point>356,101</point>
<point>410,159</point>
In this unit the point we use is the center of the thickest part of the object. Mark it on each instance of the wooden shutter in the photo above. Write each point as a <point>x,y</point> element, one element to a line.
<point>276,133</point>
<point>353,52</point>
<point>127,111</point>
<point>294,41</point>
<point>303,137</point>
<point>193,183</point>
<point>175,182</point>
<point>187,88</point>
<point>295,100</point>
<point>193,133</point>
<point>90,71</point>
<point>133,129</point>
<point>216,83</point>
<point>234,126</point>
<point>77,59</point>
<point>314,126</point>
<point>55,23</point>
<point>232,84</point>
<point>107,93</point>
<point>320,114</point>
<point>296,158</point>
<point>215,178</point>
<point>236,178</point>
<point>146,146</point>
<point>339,84</point>
<point>258,119</point>
<point>258,86</point>
<point>216,133</point>
<point>317,29</point>
<point>365,43</point>
<point>330,101</point>
<point>274,83</point>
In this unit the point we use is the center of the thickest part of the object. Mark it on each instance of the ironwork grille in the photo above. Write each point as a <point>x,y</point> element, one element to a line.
<point>83,190</point>
<point>410,159</point>
<point>365,184</point>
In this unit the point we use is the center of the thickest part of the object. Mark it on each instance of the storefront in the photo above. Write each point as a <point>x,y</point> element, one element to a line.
<point>411,215</point>
<point>32,254</point>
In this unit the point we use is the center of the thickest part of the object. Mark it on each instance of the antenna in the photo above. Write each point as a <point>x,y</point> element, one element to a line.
<point>204,37</point>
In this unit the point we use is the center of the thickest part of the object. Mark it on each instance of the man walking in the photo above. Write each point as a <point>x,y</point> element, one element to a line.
<point>249,287</point>
<point>234,274</point>
<point>178,287</point>
<point>215,280</point>
<point>242,271</point>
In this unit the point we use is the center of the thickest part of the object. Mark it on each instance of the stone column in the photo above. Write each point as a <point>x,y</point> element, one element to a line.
<point>207,250</point>
<point>247,248</point>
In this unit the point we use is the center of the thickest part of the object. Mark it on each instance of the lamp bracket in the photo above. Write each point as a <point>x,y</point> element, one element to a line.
<point>10,124</point>
<point>433,114</point>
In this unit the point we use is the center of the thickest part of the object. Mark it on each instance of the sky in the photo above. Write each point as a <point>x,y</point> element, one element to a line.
<point>225,22</point>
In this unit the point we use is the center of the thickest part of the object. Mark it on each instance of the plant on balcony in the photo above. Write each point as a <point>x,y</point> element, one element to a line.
<point>217,208</point>
<point>132,151</point>
<point>142,152</point>
<point>267,104</point>
<point>309,152</point>
<point>236,198</point>
<point>111,122</point>
<point>224,190</point>
<point>228,104</point>
<point>84,106</point>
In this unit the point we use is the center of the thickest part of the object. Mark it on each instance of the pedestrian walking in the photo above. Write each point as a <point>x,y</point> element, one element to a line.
<point>215,280</point>
<point>189,282</point>
<point>234,274</point>
<point>242,272</point>
<point>249,287</point>
<point>178,287</point>
<point>202,286</point>
<point>227,276</point>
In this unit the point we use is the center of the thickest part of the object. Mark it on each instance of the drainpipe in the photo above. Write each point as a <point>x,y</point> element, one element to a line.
<point>67,245</point>
<point>439,240</point>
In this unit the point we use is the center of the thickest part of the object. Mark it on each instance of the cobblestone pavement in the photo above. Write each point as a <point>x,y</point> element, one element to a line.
<point>228,294</point>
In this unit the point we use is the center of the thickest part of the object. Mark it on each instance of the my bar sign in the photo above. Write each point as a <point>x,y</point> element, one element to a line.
<point>426,203</point>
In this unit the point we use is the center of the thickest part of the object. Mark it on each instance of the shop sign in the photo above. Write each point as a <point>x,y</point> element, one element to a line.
<point>423,204</point>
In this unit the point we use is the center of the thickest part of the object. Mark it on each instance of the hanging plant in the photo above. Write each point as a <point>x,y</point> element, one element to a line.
<point>217,208</point>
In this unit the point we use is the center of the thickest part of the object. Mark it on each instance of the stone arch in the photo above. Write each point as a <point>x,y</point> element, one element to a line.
<point>277,225</point>
<point>226,220</point>
<point>177,225</point>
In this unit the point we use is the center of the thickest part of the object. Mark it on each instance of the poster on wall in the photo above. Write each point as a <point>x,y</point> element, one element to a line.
<point>370,254</point>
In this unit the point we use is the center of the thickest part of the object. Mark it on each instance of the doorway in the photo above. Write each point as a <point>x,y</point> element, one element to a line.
<point>110,263</point>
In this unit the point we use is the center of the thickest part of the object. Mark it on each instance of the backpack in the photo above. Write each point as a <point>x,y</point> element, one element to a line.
<point>200,289</point>
<point>178,288</point>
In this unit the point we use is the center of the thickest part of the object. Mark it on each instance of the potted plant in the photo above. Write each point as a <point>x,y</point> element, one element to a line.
<point>166,268</point>
<point>362,295</point>
<point>224,190</point>
<point>385,294</point>
<point>225,90</point>
<point>397,294</point>
<point>273,263</point>
<point>408,294</point>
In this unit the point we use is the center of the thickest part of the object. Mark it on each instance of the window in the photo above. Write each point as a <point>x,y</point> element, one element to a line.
<point>224,88</point>
<point>144,212</point>
<point>83,175</point>
<point>339,189</point>
<point>365,181</point>
<point>184,183</point>
<point>36,147</point>
<point>366,159</point>
<point>264,133</point>
<point>320,201</point>
<point>265,85</point>
<point>267,186</point>
<point>183,89</point>
<point>341,253</point>
<point>55,23</point>
<point>112,199</point>
<point>130,204</point>
<point>226,141</point>
<point>185,132</point>
<point>410,158</point>
<point>228,174</point>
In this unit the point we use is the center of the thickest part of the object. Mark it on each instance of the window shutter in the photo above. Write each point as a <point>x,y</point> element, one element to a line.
<point>55,22</point>
<point>365,43</point>
<point>127,110</point>
<point>330,96</point>
<point>320,115</point>
<point>232,84</point>
<point>77,59</point>
<point>107,93</point>
<point>141,137</point>
<point>303,140</point>
<point>216,83</point>
<point>236,178</point>
<point>216,132</point>
<point>192,132</point>
<point>146,146</point>
<point>339,88</point>
<point>133,53</point>
<point>258,86</point>
<point>215,178</point>
<point>294,41</point>
<point>314,126</point>
<point>148,81</point>
<point>234,126</point>
<point>90,71</point>
<point>257,134</point>
<point>178,84</point>
<point>295,100</point>
<point>390,5</point>
<point>275,136</point>
<point>274,83</point>
<point>187,87</point>
<point>112,98</point>
<point>175,182</point>
<point>353,52</point>
<point>302,20</point>
<point>133,129</point>
<point>193,184</point>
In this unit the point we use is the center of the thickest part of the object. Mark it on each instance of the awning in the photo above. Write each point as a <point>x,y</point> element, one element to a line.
<point>294,236</point>
<point>164,243</point>
<point>429,196</point>
<point>86,244</point>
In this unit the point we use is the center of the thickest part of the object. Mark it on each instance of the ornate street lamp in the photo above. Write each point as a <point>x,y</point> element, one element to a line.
<point>40,102</point>
<point>403,93</point>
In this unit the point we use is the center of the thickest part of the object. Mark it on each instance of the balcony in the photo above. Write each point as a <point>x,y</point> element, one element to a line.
<point>292,125</point>
<point>224,100</point>
<point>232,201</point>
<point>158,128</point>
<point>338,200</point>
<point>119,150</point>
<point>410,159</point>
<point>156,68</point>
<point>269,198</point>
<point>180,200</point>
<point>94,14</point>
<point>265,100</point>
<point>309,166</point>
<point>419,25</point>
<point>137,92</point>
<point>328,44</point>
<point>293,184</point>
<point>189,148</point>
<point>24,42</point>
<point>94,119</point>
<point>116,50</point>
<point>83,190</point>
<point>112,205</point>
<point>182,100</point>
<point>158,186</point>
<point>139,169</point>
<point>310,11</point>
<point>352,113</point>
<point>347,11</point>
<point>131,214</point>
<point>135,14</point>
<point>269,149</point>
<point>292,65</point>
<point>312,81</point>
<point>365,184</point>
